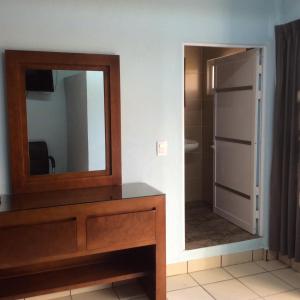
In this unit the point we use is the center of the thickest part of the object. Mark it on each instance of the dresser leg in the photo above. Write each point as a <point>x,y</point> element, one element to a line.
<point>160,253</point>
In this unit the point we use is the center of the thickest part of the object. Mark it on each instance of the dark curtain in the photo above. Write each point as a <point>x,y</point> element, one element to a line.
<point>284,209</point>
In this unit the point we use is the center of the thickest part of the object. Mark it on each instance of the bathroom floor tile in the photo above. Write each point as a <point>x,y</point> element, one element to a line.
<point>265,284</point>
<point>244,269</point>
<point>106,294</point>
<point>180,282</point>
<point>289,276</point>
<point>129,291</point>
<point>230,290</point>
<point>293,295</point>
<point>271,265</point>
<point>194,293</point>
<point>210,276</point>
<point>204,228</point>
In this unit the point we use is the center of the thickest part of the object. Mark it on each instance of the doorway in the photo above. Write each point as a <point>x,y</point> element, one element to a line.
<point>222,108</point>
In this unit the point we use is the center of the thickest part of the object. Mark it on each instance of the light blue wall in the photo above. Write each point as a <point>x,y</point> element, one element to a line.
<point>149,37</point>
<point>290,10</point>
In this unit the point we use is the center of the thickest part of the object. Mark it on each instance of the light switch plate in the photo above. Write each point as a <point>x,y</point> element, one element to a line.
<point>162,148</point>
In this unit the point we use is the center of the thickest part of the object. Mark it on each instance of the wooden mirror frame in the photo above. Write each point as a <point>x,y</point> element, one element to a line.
<point>16,64</point>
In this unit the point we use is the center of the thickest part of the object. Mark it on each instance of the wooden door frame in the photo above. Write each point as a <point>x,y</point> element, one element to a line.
<point>261,130</point>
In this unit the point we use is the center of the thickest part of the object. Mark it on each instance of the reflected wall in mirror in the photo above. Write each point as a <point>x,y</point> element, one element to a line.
<point>69,107</point>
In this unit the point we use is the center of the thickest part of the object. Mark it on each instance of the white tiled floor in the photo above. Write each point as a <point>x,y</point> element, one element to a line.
<point>180,282</point>
<point>210,276</point>
<point>256,280</point>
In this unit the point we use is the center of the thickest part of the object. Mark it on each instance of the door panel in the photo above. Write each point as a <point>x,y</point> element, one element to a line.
<point>233,166</point>
<point>234,108</point>
<point>235,208</point>
<point>237,70</point>
<point>235,131</point>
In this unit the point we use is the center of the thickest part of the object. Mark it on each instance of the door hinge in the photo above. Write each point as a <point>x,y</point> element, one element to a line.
<point>259,95</point>
<point>260,69</point>
<point>257,214</point>
<point>257,191</point>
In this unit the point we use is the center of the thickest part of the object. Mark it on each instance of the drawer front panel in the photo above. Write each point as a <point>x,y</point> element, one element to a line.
<point>24,244</point>
<point>122,231</point>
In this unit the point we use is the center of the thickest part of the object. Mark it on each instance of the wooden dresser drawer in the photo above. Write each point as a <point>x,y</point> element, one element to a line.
<point>121,231</point>
<point>27,243</point>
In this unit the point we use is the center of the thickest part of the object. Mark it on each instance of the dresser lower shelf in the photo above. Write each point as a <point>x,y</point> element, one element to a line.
<point>70,278</point>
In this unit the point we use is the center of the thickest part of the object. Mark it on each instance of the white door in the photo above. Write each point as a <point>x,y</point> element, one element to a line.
<point>77,124</point>
<point>236,120</point>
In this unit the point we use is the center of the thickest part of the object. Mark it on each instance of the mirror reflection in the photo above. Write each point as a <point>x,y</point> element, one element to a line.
<point>68,106</point>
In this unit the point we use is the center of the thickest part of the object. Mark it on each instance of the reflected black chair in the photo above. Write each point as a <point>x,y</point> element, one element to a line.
<point>39,159</point>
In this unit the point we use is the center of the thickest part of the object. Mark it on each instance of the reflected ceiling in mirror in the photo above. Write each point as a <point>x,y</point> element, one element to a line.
<point>65,121</point>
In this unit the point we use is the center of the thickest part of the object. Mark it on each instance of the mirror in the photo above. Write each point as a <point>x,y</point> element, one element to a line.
<point>69,108</point>
<point>64,120</point>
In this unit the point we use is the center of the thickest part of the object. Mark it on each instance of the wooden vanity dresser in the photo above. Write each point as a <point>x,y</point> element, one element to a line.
<point>60,240</point>
<point>70,222</point>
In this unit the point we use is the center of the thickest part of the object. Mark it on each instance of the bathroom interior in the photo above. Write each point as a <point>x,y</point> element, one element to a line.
<point>204,227</point>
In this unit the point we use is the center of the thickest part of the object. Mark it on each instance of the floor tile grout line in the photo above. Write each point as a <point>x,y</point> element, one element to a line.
<point>191,287</point>
<point>264,271</point>
<point>191,276</point>
<point>185,288</point>
<point>226,271</point>
<point>256,292</point>
<point>230,280</point>
<point>237,278</point>
<point>224,280</point>
<point>289,291</point>
<point>202,284</point>
<point>281,268</point>
<point>249,287</point>
<point>233,277</point>
<point>208,292</point>
<point>195,281</point>
<point>282,279</point>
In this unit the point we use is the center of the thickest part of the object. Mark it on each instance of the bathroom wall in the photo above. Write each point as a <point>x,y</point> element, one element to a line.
<point>193,106</point>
